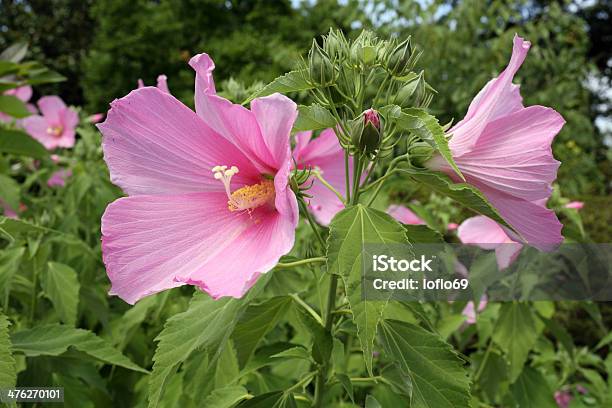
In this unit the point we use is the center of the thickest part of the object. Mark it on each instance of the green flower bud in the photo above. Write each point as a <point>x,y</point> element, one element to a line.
<point>335,45</point>
<point>420,153</point>
<point>321,69</point>
<point>400,60</point>
<point>404,95</point>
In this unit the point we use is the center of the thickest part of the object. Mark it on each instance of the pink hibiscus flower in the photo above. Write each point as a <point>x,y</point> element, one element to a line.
<point>162,83</point>
<point>470,312</point>
<point>504,149</point>
<point>487,234</point>
<point>56,126</point>
<point>23,93</point>
<point>404,215</point>
<point>95,118</point>
<point>208,198</point>
<point>58,178</point>
<point>325,155</point>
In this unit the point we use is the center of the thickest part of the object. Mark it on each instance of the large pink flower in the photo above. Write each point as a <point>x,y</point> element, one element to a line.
<point>504,149</point>
<point>487,234</point>
<point>208,198</point>
<point>325,155</point>
<point>56,126</point>
<point>23,93</point>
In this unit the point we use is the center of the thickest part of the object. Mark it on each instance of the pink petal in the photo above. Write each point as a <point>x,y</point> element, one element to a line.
<point>67,138</point>
<point>404,215</point>
<point>452,226</point>
<point>275,114</point>
<point>514,154</point>
<point>301,141</point>
<point>153,144</point>
<point>538,226</point>
<point>285,200</point>
<point>50,107</point>
<point>23,93</point>
<point>152,243</point>
<point>497,98</point>
<point>232,121</point>
<point>95,118</point>
<point>481,231</point>
<point>507,253</point>
<point>140,83</point>
<point>58,178</point>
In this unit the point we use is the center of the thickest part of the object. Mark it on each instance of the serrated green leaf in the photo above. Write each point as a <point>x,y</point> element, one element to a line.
<point>55,339</point>
<point>61,285</point>
<point>9,262</point>
<point>293,352</point>
<point>428,128</point>
<point>350,230</point>
<point>516,334</point>
<point>313,117</point>
<point>422,234</point>
<point>207,324</point>
<point>13,106</point>
<point>8,375</point>
<point>464,194</point>
<point>371,402</point>
<point>400,382</point>
<point>532,391</point>
<point>226,397</point>
<point>20,143</point>
<point>439,379</point>
<point>255,323</point>
<point>9,192</point>
<point>292,81</point>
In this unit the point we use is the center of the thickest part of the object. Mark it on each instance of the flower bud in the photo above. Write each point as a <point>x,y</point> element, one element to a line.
<point>420,153</point>
<point>404,95</point>
<point>321,69</point>
<point>366,136</point>
<point>335,45</point>
<point>400,59</point>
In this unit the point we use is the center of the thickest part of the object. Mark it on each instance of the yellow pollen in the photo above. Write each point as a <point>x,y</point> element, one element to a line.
<point>55,130</point>
<point>251,197</point>
<point>246,198</point>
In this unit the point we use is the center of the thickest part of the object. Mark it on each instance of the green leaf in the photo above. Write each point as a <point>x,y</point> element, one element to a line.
<point>61,286</point>
<point>9,192</point>
<point>531,390</point>
<point>8,374</point>
<point>400,382</point>
<point>347,385</point>
<point>322,339</point>
<point>13,106</point>
<point>55,339</point>
<point>516,334</point>
<point>255,323</point>
<point>9,263</point>
<point>267,400</point>
<point>349,231</point>
<point>207,324</point>
<point>15,53</point>
<point>292,81</point>
<point>226,397</point>
<point>428,128</point>
<point>422,234</point>
<point>293,352</point>
<point>313,117</point>
<point>439,379</point>
<point>465,194</point>
<point>47,76</point>
<point>20,143</point>
<point>371,402</point>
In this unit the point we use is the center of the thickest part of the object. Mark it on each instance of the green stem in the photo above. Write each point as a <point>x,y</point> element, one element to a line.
<point>483,363</point>
<point>356,171</point>
<point>306,307</point>
<point>312,223</point>
<point>285,265</point>
<point>329,320</point>
<point>34,287</point>
<point>318,175</point>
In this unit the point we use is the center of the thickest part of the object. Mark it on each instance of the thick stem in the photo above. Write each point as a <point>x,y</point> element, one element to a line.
<point>329,321</point>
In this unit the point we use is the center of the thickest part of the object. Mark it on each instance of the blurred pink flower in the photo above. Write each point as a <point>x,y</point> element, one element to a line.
<point>504,149</point>
<point>404,215</point>
<point>56,126</point>
<point>58,179</point>
<point>563,398</point>
<point>162,83</point>
<point>323,154</point>
<point>578,205</point>
<point>95,118</point>
<point>23,93</point>
<point>9,212</point>
<point>487,234</point>
<point>208,198</point>
<point>452,226</point>
<point>470,312</point>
